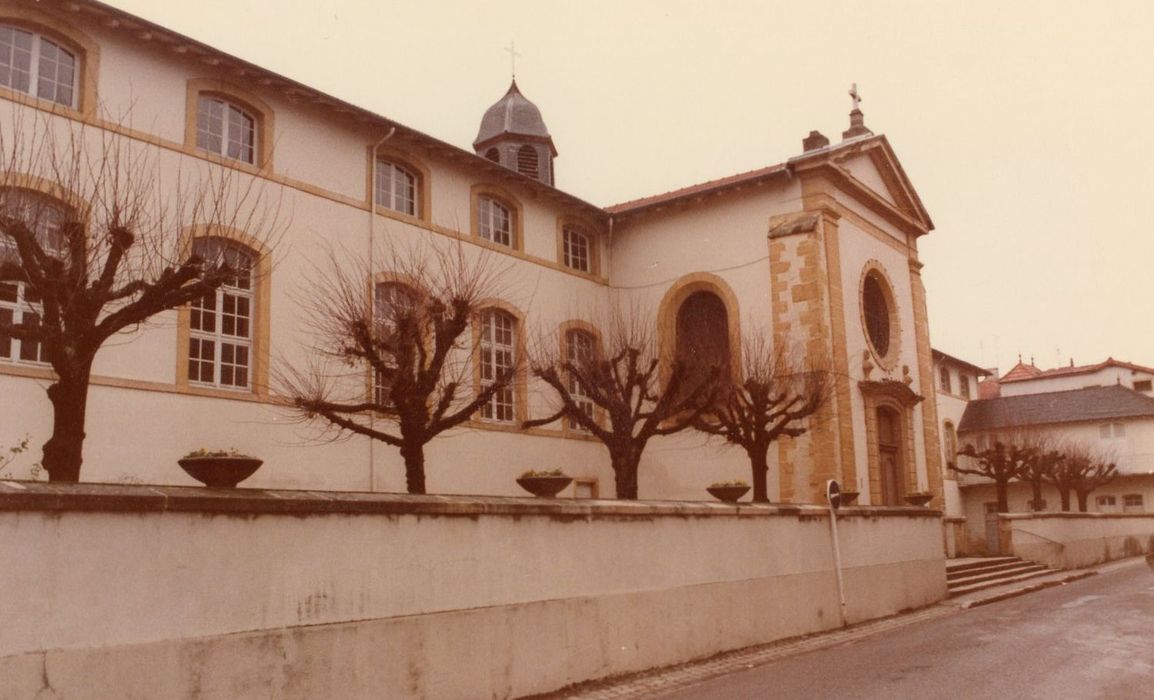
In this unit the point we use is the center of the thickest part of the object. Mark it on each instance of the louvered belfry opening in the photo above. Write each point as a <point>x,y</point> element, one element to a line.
<point>527,163</point>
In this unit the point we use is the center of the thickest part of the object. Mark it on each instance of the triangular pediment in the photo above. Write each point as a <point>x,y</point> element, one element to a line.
<point>876,167</point>
<point>869,169</point>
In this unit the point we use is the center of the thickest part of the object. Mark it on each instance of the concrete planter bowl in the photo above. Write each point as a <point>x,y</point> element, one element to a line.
<point>544,486</point>
<point>729,494</point>
<point>220,472</point>
<point>919,499</point>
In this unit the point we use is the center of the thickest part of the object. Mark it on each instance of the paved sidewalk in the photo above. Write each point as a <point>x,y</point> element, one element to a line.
<point>657,682</point>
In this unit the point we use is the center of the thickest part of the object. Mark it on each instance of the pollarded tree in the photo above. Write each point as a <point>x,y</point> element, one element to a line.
<point>410,349</point>
<point>1082,471</point>
<point>90,247</point>
<point>1038,466</point>
<point>1001,462</point>
<point>771,400</point>
<point>619,395</point>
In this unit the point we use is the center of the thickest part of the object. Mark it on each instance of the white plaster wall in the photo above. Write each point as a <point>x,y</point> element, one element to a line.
<point>1108,376</point>
<point>1074,541</point>
<point>474,599</point>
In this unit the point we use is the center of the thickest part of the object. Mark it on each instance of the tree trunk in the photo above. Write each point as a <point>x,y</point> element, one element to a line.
<point>759,462</point>
<point>1083,501</point>
<point>414,456</point>
<point>1001,486</point>
<point>1037,492</point>
<point>63,453</point>
<point>1065,494</point>
<point>625,474</point>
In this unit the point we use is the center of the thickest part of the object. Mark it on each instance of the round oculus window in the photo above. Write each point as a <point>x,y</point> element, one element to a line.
<point>875,304</point>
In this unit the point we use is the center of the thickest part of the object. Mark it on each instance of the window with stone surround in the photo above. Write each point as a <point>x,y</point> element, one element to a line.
<point>220,342</point>
<point>498,355</point>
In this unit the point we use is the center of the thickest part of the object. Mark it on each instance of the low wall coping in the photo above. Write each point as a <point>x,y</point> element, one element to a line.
<point>1073,516</point>
<point>136,498</point>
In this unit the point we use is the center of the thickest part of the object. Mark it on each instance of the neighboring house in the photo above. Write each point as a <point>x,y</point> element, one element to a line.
<point>820,252</point>
<point>1113,420</point>
<point>1028,379</point>
<point>957,385</point>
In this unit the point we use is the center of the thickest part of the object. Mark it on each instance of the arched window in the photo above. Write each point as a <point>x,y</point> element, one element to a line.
<point>493,154</point>
<point>703,337</point>
<point>393,307</point>
<point>226,129</point>
<point>19,303</point>
<point>396,187</point>
<point>577,249</point>
<point>527,161</point>
<point>944,380</point>
<point>580,352</point>
<point>498,355</point>
<point>220,343</point>
<point>950,442</point>
<point>37,65</point>
<point>494,221</point>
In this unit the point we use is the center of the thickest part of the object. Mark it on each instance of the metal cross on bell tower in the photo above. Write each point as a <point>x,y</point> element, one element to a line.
<point>512,51</point>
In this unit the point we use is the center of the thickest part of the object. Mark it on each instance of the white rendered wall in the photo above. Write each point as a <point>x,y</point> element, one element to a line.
<point>225,595</point>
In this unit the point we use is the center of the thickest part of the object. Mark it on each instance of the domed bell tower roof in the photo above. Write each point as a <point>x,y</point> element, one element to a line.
<point>513,134</point>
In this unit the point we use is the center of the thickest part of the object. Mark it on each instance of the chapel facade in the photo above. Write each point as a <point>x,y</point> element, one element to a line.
<point>818,253</point>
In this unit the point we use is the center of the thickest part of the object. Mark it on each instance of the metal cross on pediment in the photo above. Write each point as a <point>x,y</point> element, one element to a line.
<point>854,95</point>
<point>512,50</point>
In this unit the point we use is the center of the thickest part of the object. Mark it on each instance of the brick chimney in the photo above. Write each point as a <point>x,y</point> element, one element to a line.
<point>814,141</point>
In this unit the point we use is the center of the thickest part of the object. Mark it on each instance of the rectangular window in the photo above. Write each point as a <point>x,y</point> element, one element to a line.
<point>497,355</point>
<point>964,385</point>
<point>220,323</point>
<point>1106,502</point>
<point>580,349</point>
<point>18,305</point>
<point>1144,385</point>
<point>944,380</point>
<point>584,488</point>
<point>577,247</point>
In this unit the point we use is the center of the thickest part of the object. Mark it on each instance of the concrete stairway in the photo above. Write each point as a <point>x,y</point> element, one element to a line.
<point>976,573</point>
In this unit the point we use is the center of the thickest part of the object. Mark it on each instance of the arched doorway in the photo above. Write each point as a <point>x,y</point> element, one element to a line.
<point>702,335</point>
<point>889,442</point>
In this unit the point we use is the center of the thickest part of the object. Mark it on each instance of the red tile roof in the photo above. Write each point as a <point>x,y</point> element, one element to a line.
<point>1022,372</point>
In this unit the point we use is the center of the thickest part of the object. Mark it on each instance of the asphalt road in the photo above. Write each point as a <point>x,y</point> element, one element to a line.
<point>1092,638</point>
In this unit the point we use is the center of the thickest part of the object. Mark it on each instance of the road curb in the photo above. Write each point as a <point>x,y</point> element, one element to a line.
<point>1025,589</point>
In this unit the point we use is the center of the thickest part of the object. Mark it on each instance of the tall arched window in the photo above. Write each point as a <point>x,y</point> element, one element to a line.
<point>393,308</point>
<point>220,343</point>
<point>226,129</point>
<point>580,352</point>
<point>527,163</point>
<point>396,187</point>
<point>498,355</point>
<point>703,337</point>
<point>19,303</point>
<point>37,65</point>
<point>950,441</point>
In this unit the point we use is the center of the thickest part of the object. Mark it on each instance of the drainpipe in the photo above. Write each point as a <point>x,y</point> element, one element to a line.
<point>372,286</point>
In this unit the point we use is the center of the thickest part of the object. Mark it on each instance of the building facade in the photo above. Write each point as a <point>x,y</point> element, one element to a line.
<point>819,253</point>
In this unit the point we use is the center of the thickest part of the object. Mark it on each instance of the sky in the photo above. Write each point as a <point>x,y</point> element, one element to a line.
<point>1026,127</point>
